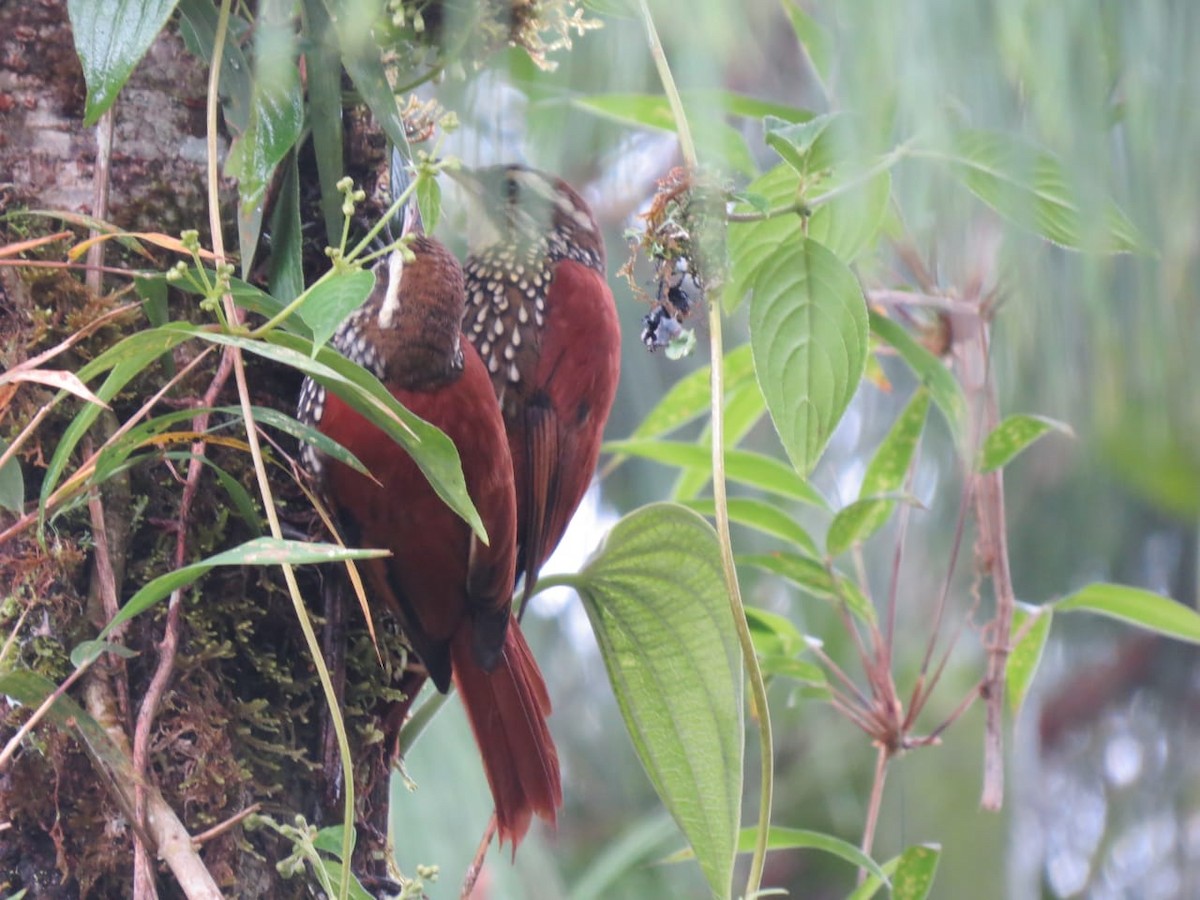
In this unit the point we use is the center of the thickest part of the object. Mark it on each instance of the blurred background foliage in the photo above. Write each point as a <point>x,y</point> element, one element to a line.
<point>1102,789</point>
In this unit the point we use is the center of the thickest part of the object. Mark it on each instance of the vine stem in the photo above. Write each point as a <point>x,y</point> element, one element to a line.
<point>260,469</point>
<point>758,689</point>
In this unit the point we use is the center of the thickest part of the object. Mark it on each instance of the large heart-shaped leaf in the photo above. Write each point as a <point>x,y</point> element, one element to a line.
<point>656,598</point>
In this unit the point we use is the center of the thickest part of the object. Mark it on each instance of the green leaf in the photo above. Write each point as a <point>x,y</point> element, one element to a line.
<point>773,634</point>
<point>1012,436</point>
<point>718,142</point>
<point>856,522</point>
<point>363,59</point>
<point>153,291</point>
<point>914,873</point>
<point>89,651</point>
<point>12,483</point>
<point>198,28</point>
<point>946,392</point>
<point>332,299</point>
<point>1025,657</point>
<point>794,141</point>
<point>885,475</point>
<point>742,466</point>
<point>760,516</point>
<point>654,110</point>
<point>911,873</point>
<point>330,839</point>
<point>111,37</point>
<point>889,466</point>
<point>810,575</point>
<point>324,78</point>
<point>285,273</point>
<point>815,40</point>
<point>744,408</point>
<point>806,572</point>
<point>264,415</point>
<point>655,595</point>
<point>689,397</point>
<point>30,689</point>
<point>780,838</point>
<point>433,452</point>
<point>1030,188</point>
<point>242,501</point>
<point>276,119</point>
<point>123,362</point>
<point>261,551</point>
<point>333,870</point>
<point>808,331</point>
<point>429,201</point>
<point>637,843</point>
<point>1135,606</point>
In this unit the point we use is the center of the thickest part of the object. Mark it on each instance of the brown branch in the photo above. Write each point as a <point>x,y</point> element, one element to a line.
<point>874,804</point>
<point>169,646</point>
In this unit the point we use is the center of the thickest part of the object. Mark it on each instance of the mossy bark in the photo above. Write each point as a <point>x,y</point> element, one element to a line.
<point>242,718</point>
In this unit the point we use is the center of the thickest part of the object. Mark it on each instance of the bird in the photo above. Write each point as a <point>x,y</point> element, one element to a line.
<point>451,593</point>
<point>542,317</point>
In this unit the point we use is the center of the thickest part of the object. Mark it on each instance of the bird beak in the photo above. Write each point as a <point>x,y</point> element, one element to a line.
<point>468,179</point>
<point>409,215</point>
<point>482,229</point>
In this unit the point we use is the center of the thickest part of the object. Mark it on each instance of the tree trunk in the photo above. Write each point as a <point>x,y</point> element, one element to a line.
<point>242,717</point>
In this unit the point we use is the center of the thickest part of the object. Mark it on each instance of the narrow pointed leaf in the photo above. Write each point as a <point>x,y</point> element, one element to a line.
<point>689,397</point>
<point>1027,654</point>
<point>433,452</point>
<point>1030,187</point>
<point>1135,606</point>
<point>263,551</point>
<point>744,408</point>
<point>885,474</point>
<point>1012,436</point>
<point>855,523</point>
<point>816,41</point>
<point>286,265</point>
<point>89,651</point>
<point>324,80</point>
<point>656,598</point>
<point>12,483</point>
<point>808,331</point>
<point>111,37</point>
<point>943,387</point>
<point>811,576</point>
<point>781,838</point>
<point>743,466</point>
<point>763,517</point>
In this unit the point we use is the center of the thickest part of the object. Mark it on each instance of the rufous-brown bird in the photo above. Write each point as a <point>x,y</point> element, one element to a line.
<point>542,317</point>
<point>451,593</point>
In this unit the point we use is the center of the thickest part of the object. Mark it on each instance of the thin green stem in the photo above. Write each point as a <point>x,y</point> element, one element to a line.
<point>260,469</point>
<point>419,721</point>
<point>686,145</point>
<point>758,688</point>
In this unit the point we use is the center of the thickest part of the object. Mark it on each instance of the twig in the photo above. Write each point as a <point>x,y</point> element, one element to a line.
<point>476,867</point>
<point>874,804</point>
<point>221,827</point>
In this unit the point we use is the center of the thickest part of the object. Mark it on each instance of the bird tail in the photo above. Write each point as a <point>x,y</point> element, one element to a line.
<point>507,708</point>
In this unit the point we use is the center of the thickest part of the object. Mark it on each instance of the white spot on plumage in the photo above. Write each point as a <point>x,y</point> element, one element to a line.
<point>493,365</point>
<point>391,299</point>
